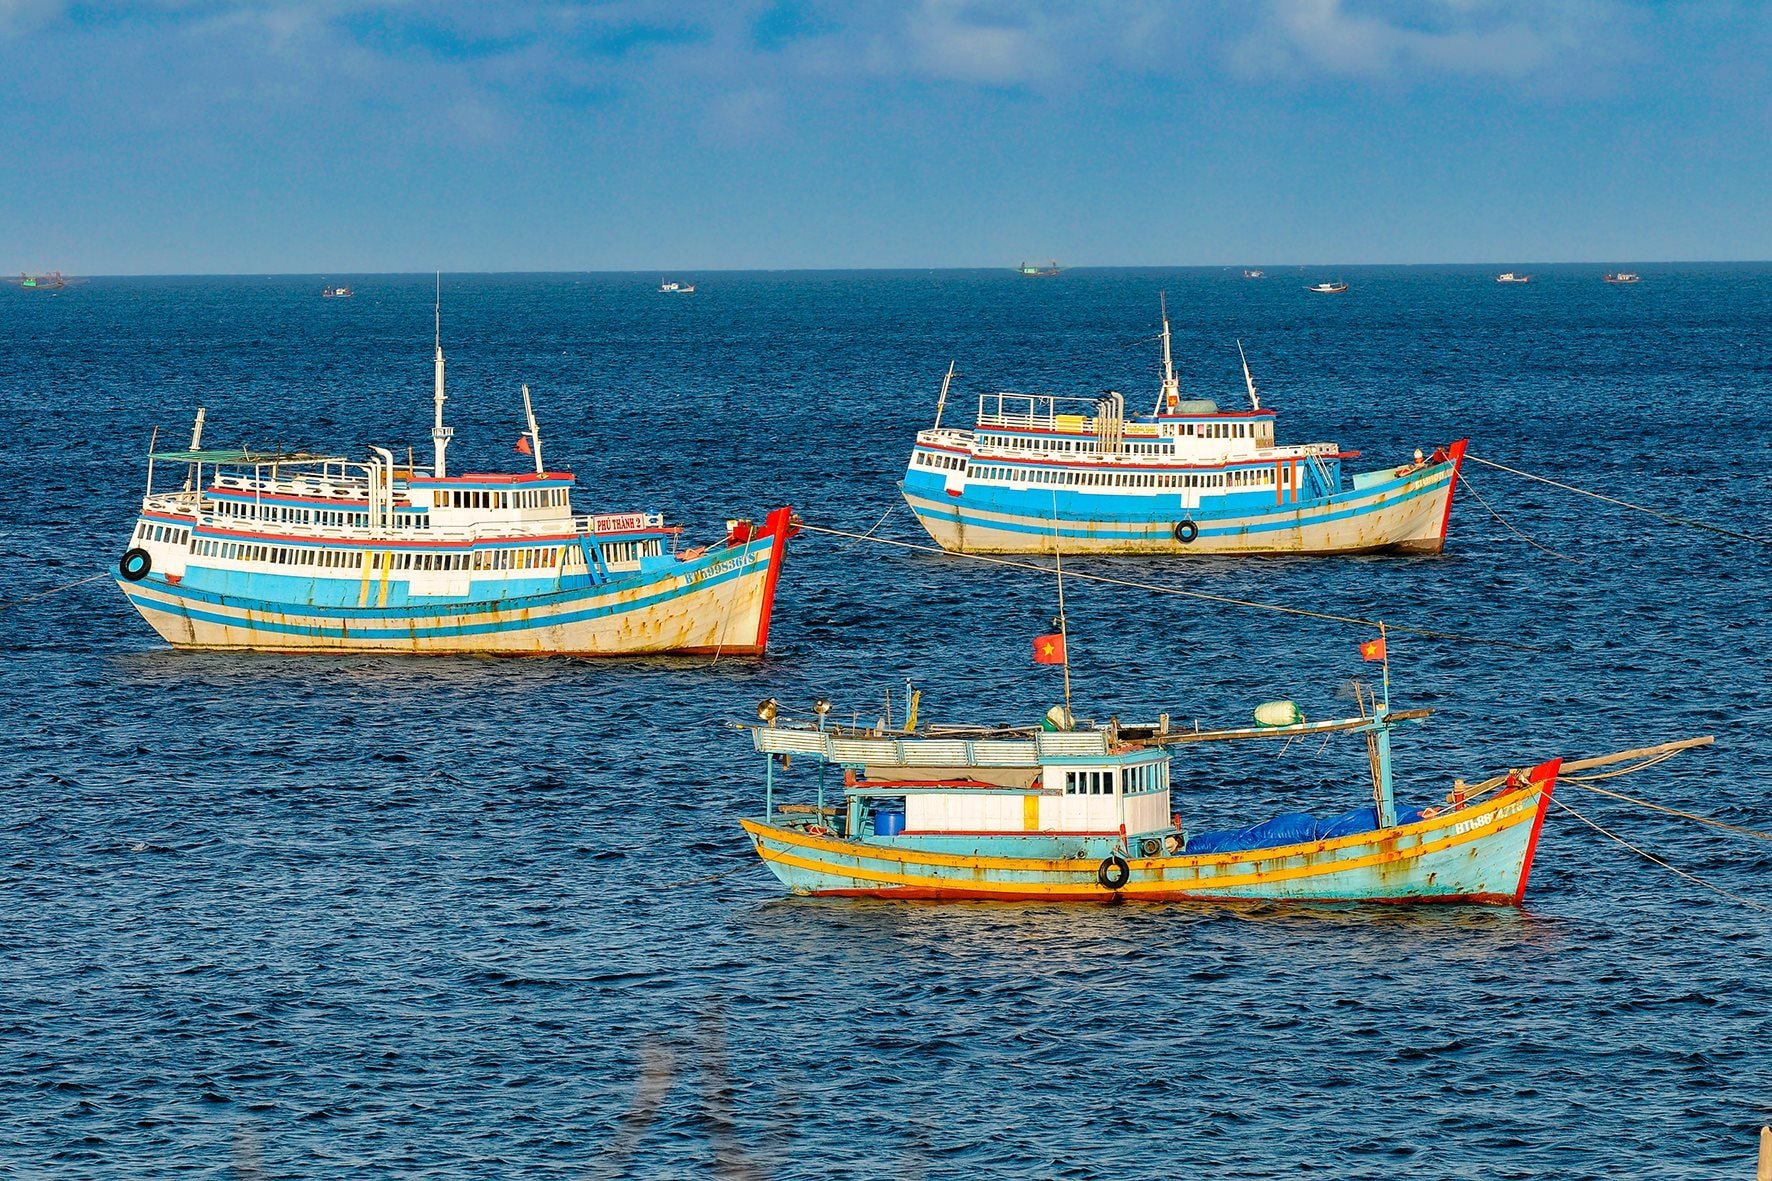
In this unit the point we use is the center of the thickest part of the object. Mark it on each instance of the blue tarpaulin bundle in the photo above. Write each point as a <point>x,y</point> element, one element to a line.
<point>1292,828</point>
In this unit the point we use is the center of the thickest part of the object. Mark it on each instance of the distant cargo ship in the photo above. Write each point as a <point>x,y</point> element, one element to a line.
<point>1036,271</point>
<point>53,281</point>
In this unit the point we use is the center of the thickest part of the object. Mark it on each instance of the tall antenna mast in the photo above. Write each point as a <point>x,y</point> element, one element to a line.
<point>1171,388</point>
<point>1254,400</point>
<point>440,434</point>
<point>534,433</point>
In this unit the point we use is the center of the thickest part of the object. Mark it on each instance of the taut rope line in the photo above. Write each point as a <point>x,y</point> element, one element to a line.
<point>1647,856</point>
<point>1172,590</point>
<point>54,590</point>
<point>1471,488</point>
<point>1621,503</point>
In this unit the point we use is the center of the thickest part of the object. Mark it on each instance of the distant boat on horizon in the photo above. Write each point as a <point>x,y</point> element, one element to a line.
<point>53,281</point>
<point>1624,277</point>
<point>1254,274</point>
<point>1335,288</point>
<point>1036,271</point>
<point>668,288</point>
<point>336,293</point>
<point>1510,277</point>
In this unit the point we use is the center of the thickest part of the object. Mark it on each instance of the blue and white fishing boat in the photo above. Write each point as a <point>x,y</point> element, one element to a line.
<point>1090,812</point>
<point>273,551</point>
<point>1041,473</point>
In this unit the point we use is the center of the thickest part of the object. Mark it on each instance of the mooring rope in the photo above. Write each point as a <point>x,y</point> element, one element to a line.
<point>1687,521</point>
<point>1173,590</point>
<point>1647,856</point>
<point>1758,834</point>
<point>54,590</point>
<point>1471,488</point>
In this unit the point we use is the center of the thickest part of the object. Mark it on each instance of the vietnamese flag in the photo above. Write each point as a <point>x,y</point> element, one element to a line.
<point>1372,649</point>
<point>1049,649</point>
<point>523,445</point>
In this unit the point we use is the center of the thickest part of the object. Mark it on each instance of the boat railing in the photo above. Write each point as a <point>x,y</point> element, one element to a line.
<point>173,502</point>
<point>1036,411</point>
<point>894,751</point>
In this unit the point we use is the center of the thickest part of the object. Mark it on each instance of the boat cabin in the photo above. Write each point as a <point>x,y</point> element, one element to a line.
<point>1053,794</point>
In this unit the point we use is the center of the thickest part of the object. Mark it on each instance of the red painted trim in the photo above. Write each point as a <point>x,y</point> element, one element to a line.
<point>477,479</point>
<point>211,533</point>
<point>959,893</point>
<point>1545,774</point>
<point>1456,452</point>
<point>777,526</point>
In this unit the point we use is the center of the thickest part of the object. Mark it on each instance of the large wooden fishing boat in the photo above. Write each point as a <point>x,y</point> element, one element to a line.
<point>1089,813</point>
<point>1039,474</point>
<point>267,550</point>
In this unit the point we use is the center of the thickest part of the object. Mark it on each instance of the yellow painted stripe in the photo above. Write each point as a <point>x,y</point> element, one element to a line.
<point>961,861</point>
<point>907,857</point>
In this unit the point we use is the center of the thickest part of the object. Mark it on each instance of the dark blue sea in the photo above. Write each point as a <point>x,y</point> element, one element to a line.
<point>289,917</point>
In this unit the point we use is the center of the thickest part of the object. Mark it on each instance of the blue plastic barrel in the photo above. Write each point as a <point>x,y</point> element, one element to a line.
<point>888,819</point>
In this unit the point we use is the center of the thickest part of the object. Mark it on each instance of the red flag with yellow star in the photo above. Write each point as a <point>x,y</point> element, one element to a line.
<point>1049,649</point>
<point>1372,649</point>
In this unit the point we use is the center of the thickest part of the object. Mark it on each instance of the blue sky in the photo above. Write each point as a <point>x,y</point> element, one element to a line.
<point>336,136</point>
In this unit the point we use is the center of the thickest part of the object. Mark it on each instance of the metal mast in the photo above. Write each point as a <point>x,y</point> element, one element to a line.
<point>440,434</point>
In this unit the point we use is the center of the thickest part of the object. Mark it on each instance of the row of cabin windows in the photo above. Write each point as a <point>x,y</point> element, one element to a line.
<point>1238,478</point>
<point>517,498</point>
<point>1222,430</point>
<point>284,514</point>
<point>1089,445</point>
<point>546,558</point>
<point>937,460</point>
<point>147,531</point>
<point>631,551</point>
<point>1133,780</point>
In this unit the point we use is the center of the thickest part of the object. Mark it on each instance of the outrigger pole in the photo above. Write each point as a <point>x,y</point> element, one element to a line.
<point>1171,391</point>
<point>534,433</point>
<point>942,401</point>
<point>1248,380</point>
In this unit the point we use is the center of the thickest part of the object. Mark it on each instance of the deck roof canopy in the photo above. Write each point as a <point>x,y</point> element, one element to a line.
<point>245,456</point>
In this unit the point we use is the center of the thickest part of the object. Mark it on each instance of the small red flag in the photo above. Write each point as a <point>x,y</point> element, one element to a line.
<point>1049,649</point>
<point>1372,649</point>
<point>523,445</point>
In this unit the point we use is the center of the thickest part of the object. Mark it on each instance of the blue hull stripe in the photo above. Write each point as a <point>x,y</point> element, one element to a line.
<point>355,632</point>
<point>1130,529</point>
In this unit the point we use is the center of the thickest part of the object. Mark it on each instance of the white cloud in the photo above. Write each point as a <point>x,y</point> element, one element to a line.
<point>1465,37</point>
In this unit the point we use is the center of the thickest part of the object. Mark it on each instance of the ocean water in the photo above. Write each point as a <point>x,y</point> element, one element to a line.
<point>301,917</point>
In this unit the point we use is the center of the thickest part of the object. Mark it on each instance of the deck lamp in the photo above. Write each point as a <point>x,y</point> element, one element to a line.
<point>767,709</point>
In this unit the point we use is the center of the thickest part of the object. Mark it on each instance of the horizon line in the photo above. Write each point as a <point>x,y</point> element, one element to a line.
<point>722,270</point>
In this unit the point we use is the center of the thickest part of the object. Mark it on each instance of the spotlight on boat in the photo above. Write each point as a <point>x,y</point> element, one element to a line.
<point>1418,455</point>
<point>821,707</point>
<point>768,708</point>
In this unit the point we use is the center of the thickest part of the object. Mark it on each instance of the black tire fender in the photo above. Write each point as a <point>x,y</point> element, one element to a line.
<point>1186,531</point>
<point>135,564</point>
<point>1114,872</point>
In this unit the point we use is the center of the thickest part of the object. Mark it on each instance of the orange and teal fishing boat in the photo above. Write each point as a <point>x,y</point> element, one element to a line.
<point>1065,812</point>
